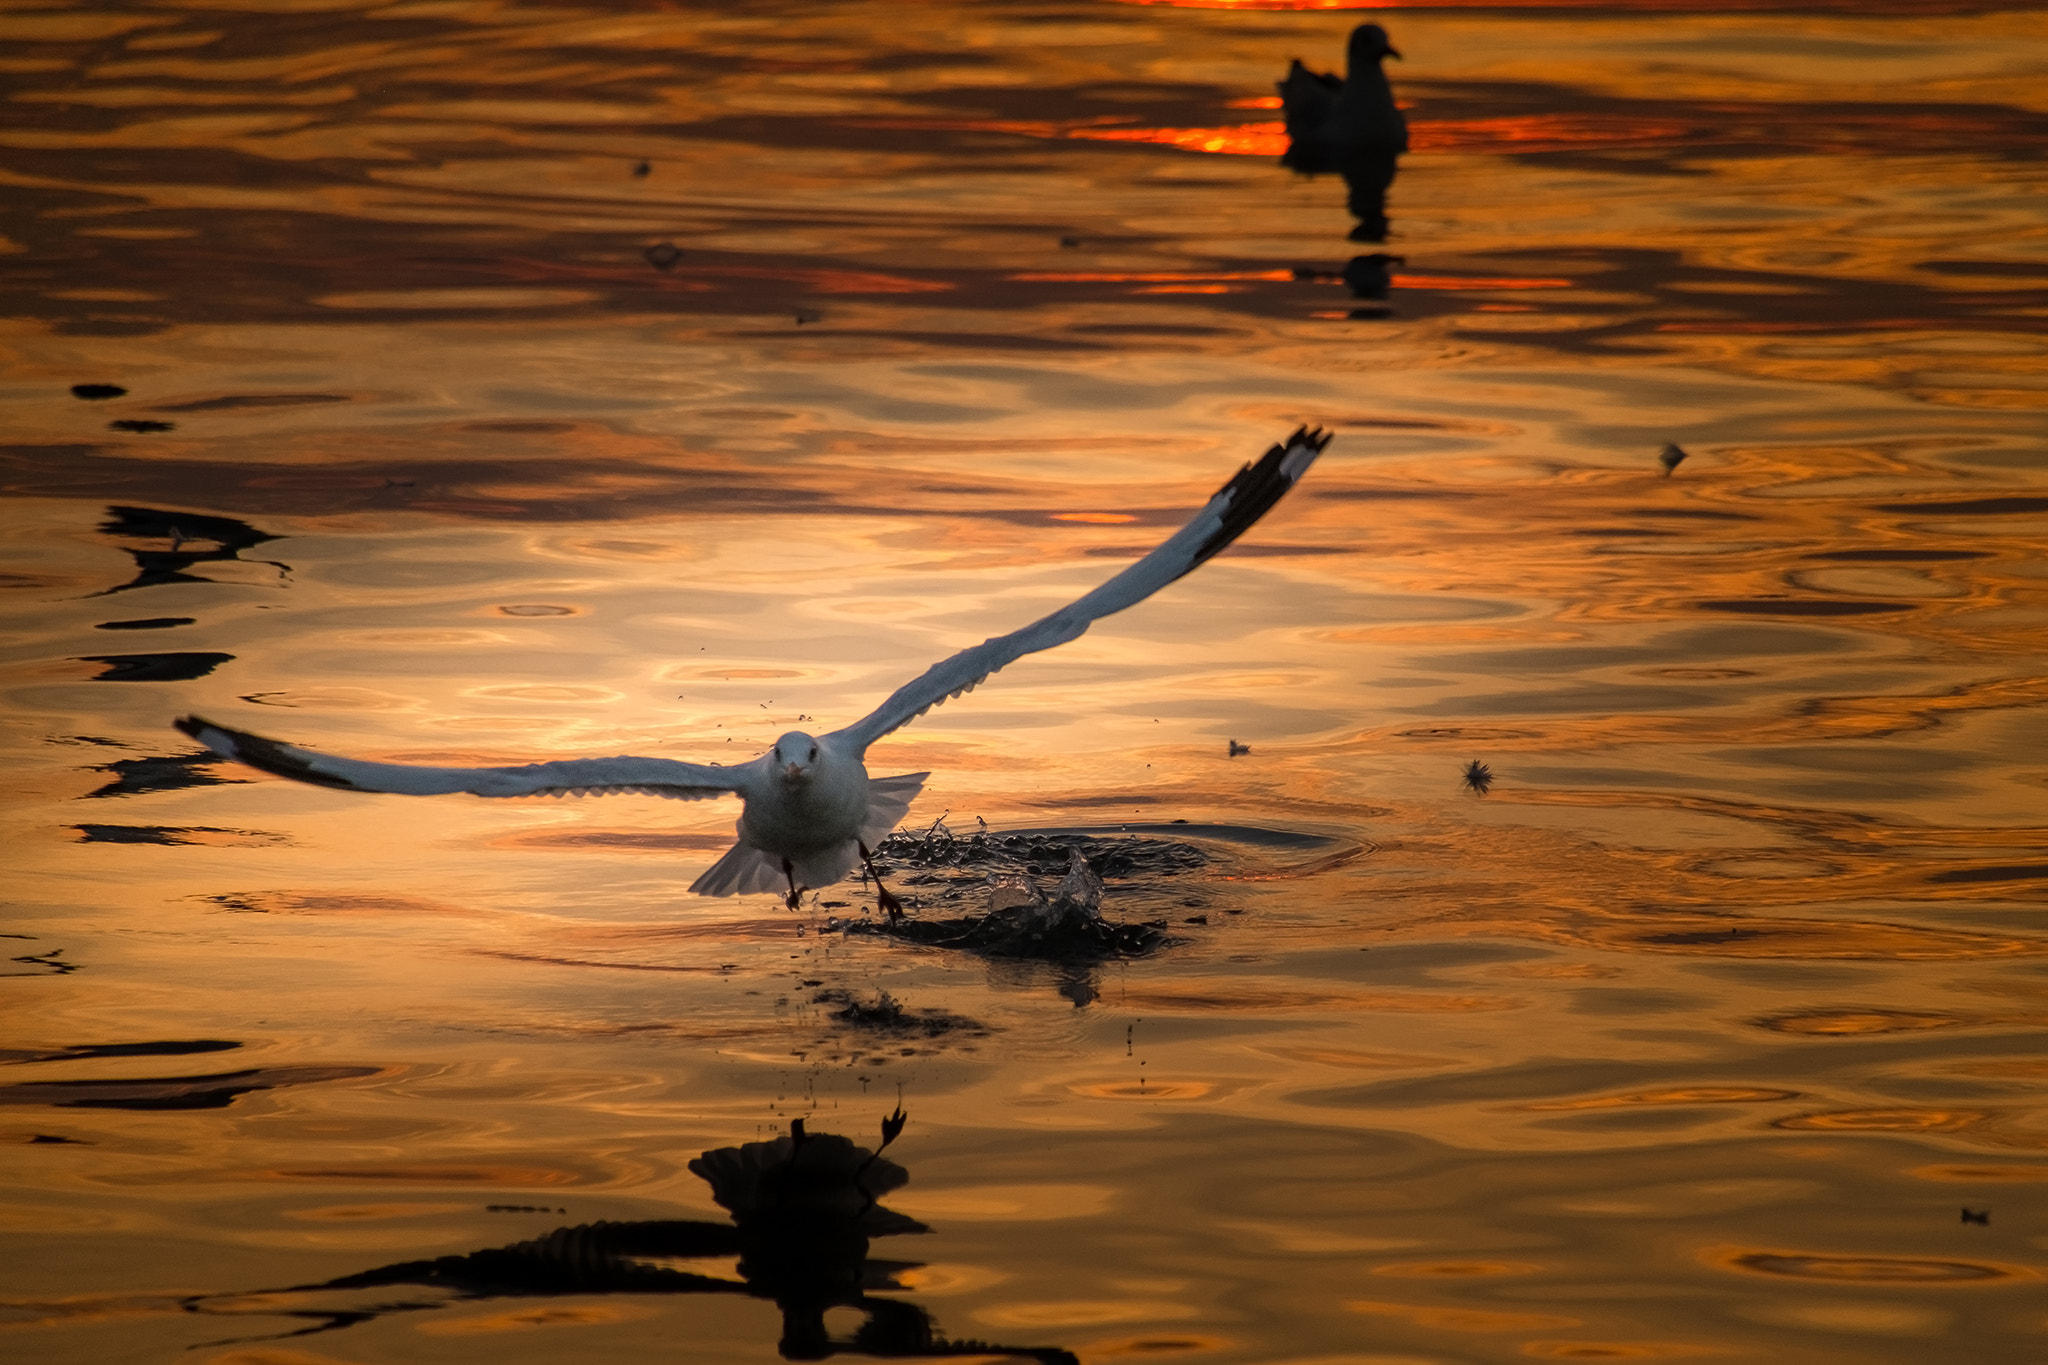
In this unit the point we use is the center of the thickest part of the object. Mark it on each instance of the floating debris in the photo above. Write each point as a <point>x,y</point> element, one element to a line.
<point>1982,1218</point>
<point>1070,242</point>
<point>1478,777</point>
<point>643,168</point>
<point>1236,748</point>
<point>1671,457</point>
<point>141,424</point>
<point>662,255</point>
<point>804,315</point>
<point>93,393</point>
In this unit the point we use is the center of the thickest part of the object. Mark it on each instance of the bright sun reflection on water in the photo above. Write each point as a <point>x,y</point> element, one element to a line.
<point>494,385</point>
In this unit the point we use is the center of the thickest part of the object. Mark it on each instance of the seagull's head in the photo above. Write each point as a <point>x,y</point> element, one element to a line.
<point>794,759</point>
<point>1369,43</point>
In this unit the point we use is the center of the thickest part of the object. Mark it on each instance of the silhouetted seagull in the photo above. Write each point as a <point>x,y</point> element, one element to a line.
<point>810,811</point>
<point>1351,126</point>
<point>1671,457</point>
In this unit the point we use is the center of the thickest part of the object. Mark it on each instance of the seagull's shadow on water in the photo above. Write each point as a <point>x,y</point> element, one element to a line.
<point>803,1208</point>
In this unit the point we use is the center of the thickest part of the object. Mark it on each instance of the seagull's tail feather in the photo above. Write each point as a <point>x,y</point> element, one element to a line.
<point>889,800</point>
<point>746,870</point>
<point>743,871</point>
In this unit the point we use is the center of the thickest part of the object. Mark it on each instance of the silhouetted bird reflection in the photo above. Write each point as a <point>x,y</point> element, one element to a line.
<point>194,539</point>
<point>1671,456</point>
<point>804,1207</point>
<point>1350,126</point>
<point>1370,277</point>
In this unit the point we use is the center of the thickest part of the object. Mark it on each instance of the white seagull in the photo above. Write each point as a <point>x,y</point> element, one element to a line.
<point>809,810</point>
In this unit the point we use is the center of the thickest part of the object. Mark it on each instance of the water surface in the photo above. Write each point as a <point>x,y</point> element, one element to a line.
<point>511,383</point>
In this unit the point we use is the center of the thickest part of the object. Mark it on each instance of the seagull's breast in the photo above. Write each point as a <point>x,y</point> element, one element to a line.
<point>792,819</point>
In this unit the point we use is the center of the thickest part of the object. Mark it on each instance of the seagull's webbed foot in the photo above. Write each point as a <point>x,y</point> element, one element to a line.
<point>884,897</point>
<point>796,895</point>
<point>887,900</point>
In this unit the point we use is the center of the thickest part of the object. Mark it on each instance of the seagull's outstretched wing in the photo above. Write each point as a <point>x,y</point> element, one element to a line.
<point>1229,515</point>
<point>566,777</point>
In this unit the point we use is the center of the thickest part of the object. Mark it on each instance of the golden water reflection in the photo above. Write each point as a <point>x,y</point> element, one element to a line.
<point>507,384</point>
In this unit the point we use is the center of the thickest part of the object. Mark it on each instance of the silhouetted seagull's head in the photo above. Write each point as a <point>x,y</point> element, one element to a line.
<point>1368,45</point>
<point>794,757</point>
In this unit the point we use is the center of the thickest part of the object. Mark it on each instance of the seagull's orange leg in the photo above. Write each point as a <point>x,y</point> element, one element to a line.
<point>892,907</point>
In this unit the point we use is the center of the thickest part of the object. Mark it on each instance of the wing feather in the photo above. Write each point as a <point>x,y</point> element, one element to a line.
<point>889,801</point>
<point>1229,514</point>
<point>666,777</point>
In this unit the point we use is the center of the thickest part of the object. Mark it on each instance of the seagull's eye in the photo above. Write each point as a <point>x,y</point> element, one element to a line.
<point>814,753</point>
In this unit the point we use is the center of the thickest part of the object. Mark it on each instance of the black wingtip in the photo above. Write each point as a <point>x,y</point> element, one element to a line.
<point>267,754</point>
<point>1257,486</point>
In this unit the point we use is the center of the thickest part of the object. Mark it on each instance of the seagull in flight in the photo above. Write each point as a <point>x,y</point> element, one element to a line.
<point>809,810</point>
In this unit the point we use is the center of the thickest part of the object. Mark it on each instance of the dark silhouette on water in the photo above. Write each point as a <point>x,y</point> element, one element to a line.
<point>1350,126</point>
<point>1370,277</point>
<point>1671,456</point>
<point>175,666</point>
<point>148,623</point>
<point>93,393</point>
<point>224,538</point>
<point>157,773</point>
<point>804,1208</point>
<point>1478,777</point>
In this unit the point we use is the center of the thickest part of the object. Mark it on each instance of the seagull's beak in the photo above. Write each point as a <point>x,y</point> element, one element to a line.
<point>1395,53</point>
<point>796,772</point>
